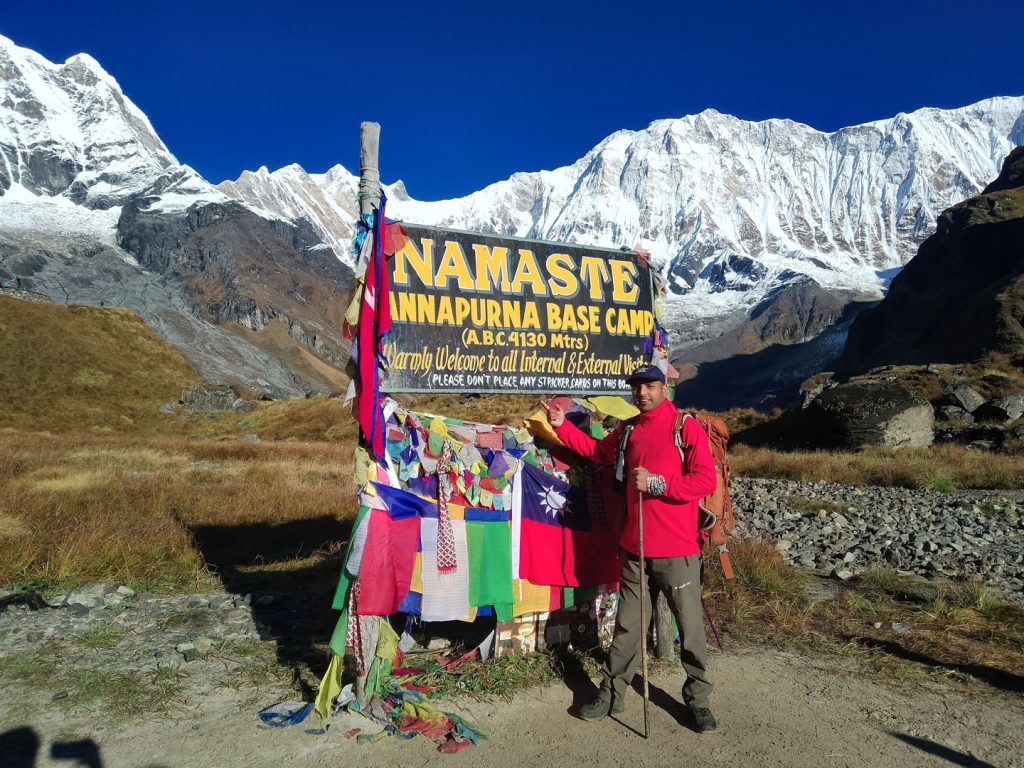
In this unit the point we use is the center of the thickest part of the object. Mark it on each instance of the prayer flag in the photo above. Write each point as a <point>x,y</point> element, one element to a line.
<point>557,546</point>
<point>388,555</point>
<point>488,539</point>
<point>374,325</point>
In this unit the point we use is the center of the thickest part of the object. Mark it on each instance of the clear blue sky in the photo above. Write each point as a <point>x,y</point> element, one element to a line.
<point>468,96</point>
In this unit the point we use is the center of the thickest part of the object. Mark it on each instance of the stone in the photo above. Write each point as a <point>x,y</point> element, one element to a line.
<point>868,412</point>
<point>1002,410</point>
<point>844,574</point>
<point>84,600</point>
<point>240,406</point>
<point>988,433</point>
<point>168,408</point>
<point>953,413</point>
<point>199,398</point>
<point>962,395</point>
<point>125,592</point>
<point>250,438</point>
<point>166,658</point>
<point>901,629</point>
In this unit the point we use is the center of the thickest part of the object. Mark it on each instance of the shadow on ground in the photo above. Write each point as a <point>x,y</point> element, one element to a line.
<point>951,756</point>
<point>997,678</point>
<point>20,748</point>
<point>286,570</point>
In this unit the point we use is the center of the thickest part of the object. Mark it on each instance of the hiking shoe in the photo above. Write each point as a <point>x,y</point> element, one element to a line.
<point>602,706</point>
<point>702,719</point>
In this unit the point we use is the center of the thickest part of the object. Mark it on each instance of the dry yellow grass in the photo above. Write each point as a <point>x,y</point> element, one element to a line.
<point>942,467</point>
<point>963,629</point>
<point>114,509</point>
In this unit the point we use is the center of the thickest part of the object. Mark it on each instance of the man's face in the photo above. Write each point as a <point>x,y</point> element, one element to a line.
<point>648,395</point>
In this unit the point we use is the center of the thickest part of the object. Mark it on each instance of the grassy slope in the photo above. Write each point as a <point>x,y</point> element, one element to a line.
<point>84,368</point>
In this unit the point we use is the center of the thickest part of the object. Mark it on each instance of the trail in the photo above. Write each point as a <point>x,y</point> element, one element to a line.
<point>774,709</point>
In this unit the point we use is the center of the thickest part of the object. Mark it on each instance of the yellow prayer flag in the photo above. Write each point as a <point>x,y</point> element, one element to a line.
<point>329,689</point>
<point>612,405</point>
<point>529,598</point>
<point>537,425</point>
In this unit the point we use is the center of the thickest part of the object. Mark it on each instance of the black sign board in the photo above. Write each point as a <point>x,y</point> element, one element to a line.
<point>479,313</point>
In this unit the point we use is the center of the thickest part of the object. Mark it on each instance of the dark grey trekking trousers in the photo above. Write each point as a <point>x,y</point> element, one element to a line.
<point>679,579</point>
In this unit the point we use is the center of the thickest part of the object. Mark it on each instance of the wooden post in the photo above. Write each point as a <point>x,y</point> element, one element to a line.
<point>664,628</point>
<point>369,201</point>
<point>369,167</point>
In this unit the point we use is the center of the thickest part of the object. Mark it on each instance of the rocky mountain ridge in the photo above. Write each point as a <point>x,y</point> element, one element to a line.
<point>962,295</point>
<point>766,230</point>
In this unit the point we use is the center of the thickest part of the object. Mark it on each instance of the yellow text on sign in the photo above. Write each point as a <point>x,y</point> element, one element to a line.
<point>497,270</point>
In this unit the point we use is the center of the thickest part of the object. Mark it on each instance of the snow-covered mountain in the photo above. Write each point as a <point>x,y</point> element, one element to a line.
<point>94,209</point>
<point>753,222</point>
<point>733,208</point>
<point>68,130</point>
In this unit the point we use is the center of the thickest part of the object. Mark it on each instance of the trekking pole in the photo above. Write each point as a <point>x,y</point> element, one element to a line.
<point>711,622</point>
<point>643,613</point>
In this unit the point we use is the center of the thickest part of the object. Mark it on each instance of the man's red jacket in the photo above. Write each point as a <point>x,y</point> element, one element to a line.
<point>670,520</point>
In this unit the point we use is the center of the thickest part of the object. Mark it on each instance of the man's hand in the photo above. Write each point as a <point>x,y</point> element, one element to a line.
<point>555,414</point>
<point>640,475</point>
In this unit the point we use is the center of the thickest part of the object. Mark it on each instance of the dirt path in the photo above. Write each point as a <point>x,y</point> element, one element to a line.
<point>774,709</point>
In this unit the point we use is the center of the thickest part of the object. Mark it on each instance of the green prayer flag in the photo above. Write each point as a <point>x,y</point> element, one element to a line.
<point>490,566</point>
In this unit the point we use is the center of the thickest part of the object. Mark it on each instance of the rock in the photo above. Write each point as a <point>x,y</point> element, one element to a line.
<point>954,413</point>
<point>962,396</point>
<point>126,592</point>
<point>84,600</point>
<point>199,398</point>
<point>250,439</point>
<point>1001,409</point>
<point>868,412</point>
<point>844,574</point>
<point>166,658</point>
<point>901,629</point>
<point>168,408</point>
<point>990,433</point>
<point>240,406</point>
<point>814,386</point>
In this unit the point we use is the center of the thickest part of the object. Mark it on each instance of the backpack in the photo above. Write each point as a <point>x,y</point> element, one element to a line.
<point>716,519</point>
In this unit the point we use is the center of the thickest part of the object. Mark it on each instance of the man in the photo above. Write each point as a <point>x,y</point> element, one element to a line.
<point>671,489</point>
